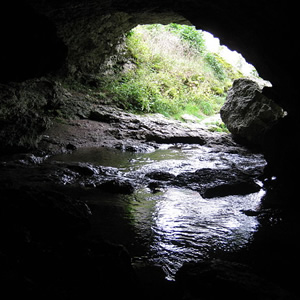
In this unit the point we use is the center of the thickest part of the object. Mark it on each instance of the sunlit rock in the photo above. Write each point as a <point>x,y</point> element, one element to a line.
<point>247,113</point>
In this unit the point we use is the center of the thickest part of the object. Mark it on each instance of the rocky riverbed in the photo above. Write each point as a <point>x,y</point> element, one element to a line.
<point>112,127</point>
<point>99,183</point>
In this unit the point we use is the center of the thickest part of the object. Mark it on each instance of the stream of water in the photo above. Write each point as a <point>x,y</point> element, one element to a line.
<point>173,225</point>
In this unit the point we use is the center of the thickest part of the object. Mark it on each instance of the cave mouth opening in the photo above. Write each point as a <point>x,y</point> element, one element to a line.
<point>36,242</point>
<point>178,71</point>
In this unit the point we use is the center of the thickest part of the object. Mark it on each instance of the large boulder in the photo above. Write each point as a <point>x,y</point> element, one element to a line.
<point>247,113</point>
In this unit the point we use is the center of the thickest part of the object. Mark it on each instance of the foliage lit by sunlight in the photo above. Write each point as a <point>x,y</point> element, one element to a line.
<point>171,71</point>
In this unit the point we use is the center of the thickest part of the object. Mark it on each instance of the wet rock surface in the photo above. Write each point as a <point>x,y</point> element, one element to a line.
<point>217,279</point>
<point>217,183</point>
<point>50,202</point>
<point>46,253</point>
<point>209,182</point>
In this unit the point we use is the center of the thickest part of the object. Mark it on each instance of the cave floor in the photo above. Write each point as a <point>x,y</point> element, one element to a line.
<point>49,249</point>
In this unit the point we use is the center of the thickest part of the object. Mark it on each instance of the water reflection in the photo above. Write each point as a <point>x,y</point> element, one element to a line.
<point>176,159</point>
<point>180,226</point>
<point>175,225</point>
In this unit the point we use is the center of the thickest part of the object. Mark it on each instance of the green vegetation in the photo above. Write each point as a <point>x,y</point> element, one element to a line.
<point>171,72</point>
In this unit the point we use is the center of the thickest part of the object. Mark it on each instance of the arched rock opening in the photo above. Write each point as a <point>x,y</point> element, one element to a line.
<point>92,31</point>
<point>82,38</point>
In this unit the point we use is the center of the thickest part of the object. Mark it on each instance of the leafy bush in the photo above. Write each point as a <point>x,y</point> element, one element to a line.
<point>216,65</point>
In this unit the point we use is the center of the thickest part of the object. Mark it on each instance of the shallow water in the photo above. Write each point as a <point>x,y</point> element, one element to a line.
<point>174,225</point>
<point>175,159</point>
<point>181,226</point>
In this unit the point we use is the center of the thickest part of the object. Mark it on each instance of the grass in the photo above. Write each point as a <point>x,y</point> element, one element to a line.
<point>171,73</point>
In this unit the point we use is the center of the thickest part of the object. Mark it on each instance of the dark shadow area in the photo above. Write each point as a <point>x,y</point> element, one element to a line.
<point>29,44</point>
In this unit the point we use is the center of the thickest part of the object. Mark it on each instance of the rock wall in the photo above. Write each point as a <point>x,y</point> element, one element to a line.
<point>94,32</point>
<point>26,109</point>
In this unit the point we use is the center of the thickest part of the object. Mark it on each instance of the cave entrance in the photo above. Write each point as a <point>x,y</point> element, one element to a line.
<point>178,71</point>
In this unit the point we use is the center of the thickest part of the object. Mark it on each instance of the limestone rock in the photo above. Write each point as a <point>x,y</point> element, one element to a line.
<point>26,110</point>
<point>117,186</point>
<point>212,183</point>
<point>247,113</point>
<point>160,175</point>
